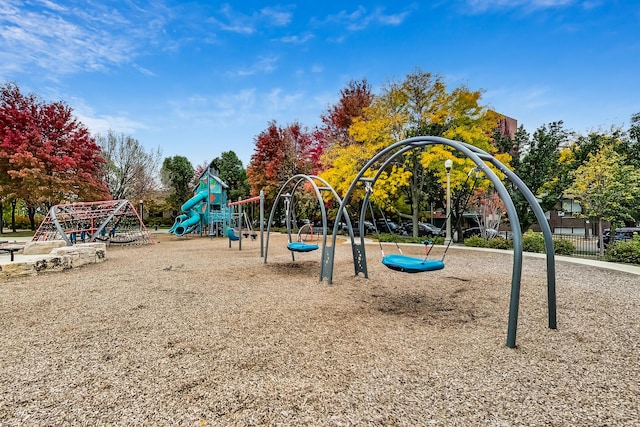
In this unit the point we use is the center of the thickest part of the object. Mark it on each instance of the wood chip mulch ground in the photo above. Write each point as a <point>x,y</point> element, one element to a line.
<point>190,332</point>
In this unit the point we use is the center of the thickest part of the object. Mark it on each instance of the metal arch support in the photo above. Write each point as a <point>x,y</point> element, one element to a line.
<point>101,227</point>
<point>478,157</point>
<point>544,227</point>
<point>296,180</point>
<point>66,239</point>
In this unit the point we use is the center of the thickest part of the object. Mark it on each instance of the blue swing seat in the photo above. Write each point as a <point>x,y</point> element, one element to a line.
<point>232,235</point>
<point>407,264</point>
<point>301,247</point>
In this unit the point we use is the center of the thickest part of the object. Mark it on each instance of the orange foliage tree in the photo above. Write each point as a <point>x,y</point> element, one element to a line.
<point>279,154</point>
<point>46,154</point>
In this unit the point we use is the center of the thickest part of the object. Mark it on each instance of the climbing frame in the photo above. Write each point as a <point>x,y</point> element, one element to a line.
<point>110,221</point>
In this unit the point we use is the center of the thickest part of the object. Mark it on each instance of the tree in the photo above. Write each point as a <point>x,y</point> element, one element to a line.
<point>606,187</point>
<point>233,174</point>
<point>420,105</point>
<point>130,170</point>
<point>176,174</point>
<point>279,154</point>
<point>46,154</point>
<point>540,166</point>
<point>338,118</point>
<point>488,208</point>
<point>631,144</point>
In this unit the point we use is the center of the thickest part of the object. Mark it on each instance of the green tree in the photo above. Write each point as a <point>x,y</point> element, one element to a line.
<point>606,187</point>
<point>233,174</point>
<point>177,174</point>
<point>631,144</point>
<point>540,167</point>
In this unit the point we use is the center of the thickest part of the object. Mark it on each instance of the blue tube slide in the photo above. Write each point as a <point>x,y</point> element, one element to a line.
<point>191,217</point>
<point>187,225</point>
<point>177,222</point>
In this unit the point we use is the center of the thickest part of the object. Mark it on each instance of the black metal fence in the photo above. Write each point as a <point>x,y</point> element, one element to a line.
<point>584,246</point>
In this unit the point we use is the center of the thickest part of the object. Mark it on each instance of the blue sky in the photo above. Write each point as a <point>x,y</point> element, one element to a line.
<point>197,78</point>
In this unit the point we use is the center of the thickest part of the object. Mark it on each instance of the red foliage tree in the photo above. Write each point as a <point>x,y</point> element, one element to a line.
<point>279,154</point>
<point>46,154</point>
<point>338,118</point>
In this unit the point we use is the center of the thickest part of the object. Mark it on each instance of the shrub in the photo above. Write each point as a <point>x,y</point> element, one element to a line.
<point>499,243</point>
<point>22,222</point>
<point>627,252</point>
<point>388,237</point>
<point>563,247</point>
<point>437,240</point>
<point>159,221</point>
<point>533,242</point>
<point>476,242</point>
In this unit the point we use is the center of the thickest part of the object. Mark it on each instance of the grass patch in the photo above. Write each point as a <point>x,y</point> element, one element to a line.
<point>19,233</point>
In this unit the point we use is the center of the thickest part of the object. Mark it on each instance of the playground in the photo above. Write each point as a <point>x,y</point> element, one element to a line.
<point>192,332</point>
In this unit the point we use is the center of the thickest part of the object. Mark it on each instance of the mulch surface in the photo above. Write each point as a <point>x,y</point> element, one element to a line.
<point>191,332</point>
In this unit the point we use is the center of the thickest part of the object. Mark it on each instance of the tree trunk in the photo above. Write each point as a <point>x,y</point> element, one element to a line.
<point>31,212</point>
<point>1,218</point>
<point>415,210</point>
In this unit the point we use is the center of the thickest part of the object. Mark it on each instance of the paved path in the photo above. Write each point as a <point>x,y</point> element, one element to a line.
<point>627,268</point>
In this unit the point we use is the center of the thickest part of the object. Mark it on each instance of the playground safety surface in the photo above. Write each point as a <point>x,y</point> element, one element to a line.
<point>191,332</point>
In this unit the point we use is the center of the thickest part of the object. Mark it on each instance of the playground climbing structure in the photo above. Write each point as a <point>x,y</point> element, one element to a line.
<point>111,221</point>
<point>207,210</point>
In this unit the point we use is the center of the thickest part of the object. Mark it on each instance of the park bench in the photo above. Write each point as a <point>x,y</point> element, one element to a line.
<point>11,250</point>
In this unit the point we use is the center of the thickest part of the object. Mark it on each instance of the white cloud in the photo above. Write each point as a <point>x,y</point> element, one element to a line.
<point>64,40</point>
<point>479,6</point>
<point>279,101</point>
<point>264,64</point>
<point>275,17</point>
<point>245,107</point>
<point>101,124</point>
<point>144,71</point>
<point>361,18</point>
<point>297,39</point>
<point>233,21</point>
<point>529,98</point>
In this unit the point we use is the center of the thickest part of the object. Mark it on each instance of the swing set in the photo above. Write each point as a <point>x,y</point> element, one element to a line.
<point>410,264</point>
<point>240,217</point>
<point>307,238</point>
<point>370,173</point>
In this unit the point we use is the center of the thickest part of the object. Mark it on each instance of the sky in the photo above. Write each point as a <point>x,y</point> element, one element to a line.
<point>198,78</point>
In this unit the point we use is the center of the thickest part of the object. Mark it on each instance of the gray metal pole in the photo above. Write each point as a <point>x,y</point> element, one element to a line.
<point>261,224</point>
<point>239,225</point>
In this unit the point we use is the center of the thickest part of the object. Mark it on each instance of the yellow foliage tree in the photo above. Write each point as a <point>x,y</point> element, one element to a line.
<point>607,187</point>
<point>420,105</point>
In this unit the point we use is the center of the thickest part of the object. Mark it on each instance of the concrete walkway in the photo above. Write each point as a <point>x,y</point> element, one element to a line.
<point>627,268</point>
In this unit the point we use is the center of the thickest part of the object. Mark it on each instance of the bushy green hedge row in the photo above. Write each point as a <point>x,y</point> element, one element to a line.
<point>388,237</point>
<point>159,221</point>
<point>495,243</point>
<point>22,222</point>
<point>627,252</point>
<point>531,242</point>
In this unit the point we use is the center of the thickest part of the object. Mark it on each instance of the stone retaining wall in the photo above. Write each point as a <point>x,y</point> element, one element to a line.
<point>58,258</point>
